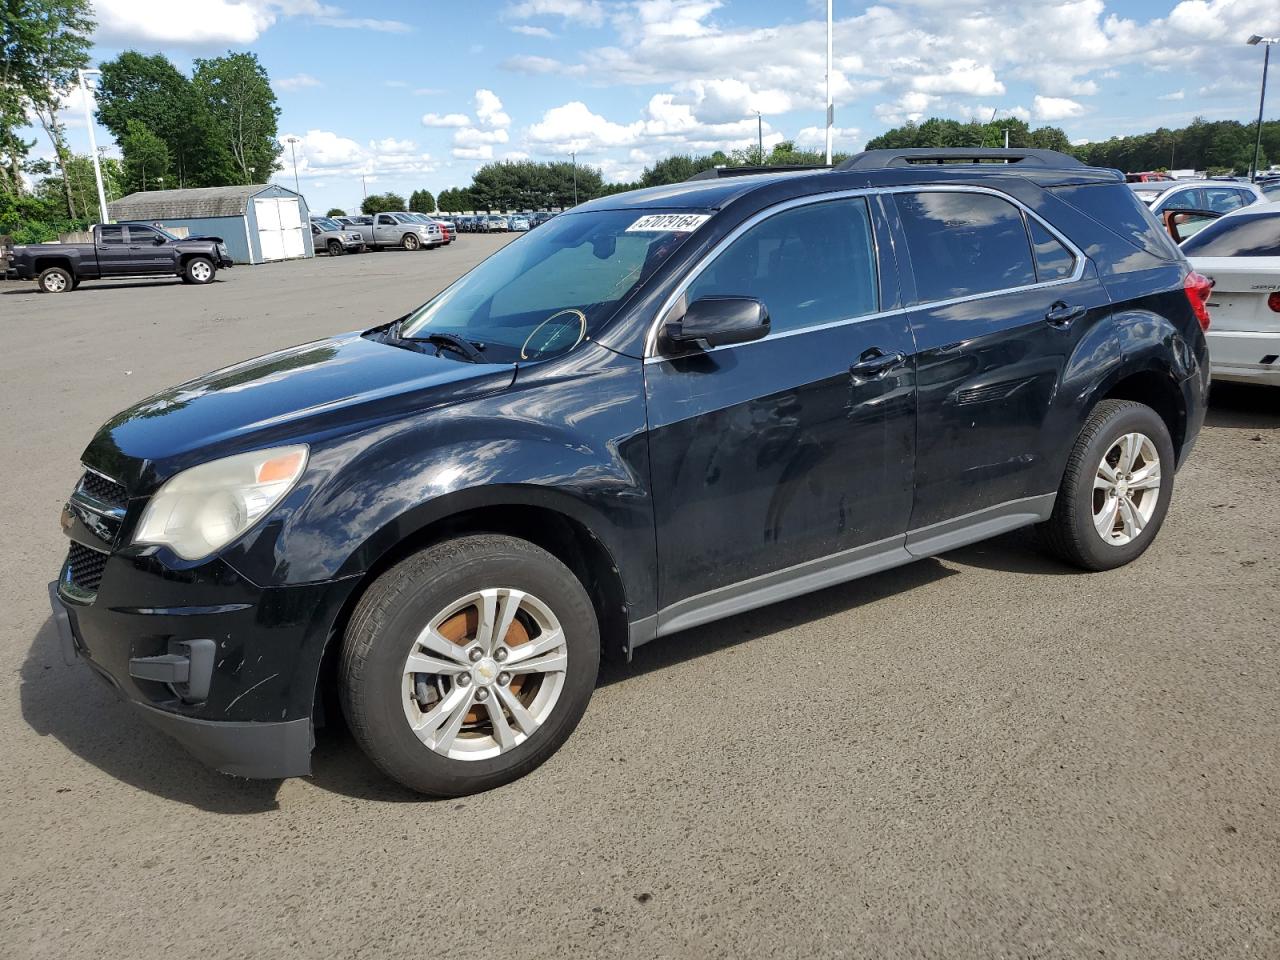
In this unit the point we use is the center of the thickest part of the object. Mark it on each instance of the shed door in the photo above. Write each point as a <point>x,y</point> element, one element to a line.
<point>279,228</point>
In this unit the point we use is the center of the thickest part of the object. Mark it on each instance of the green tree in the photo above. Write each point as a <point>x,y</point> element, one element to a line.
<point>83,186</point>
<point>336,212</point>
<point>44,43</point>
<point>242,104</point>
<point>146,158</point>
<point>421,201</point>
<point>151,90</point>
<point>382,203</point>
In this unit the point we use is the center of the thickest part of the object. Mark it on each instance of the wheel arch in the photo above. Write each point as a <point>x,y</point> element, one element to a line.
<point>553,525</point>
<point>45,262</point>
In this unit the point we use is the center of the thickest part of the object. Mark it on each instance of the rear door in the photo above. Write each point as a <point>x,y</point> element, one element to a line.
<point>112,249</point>
<point>1001,303</point>
<point>789,456</point>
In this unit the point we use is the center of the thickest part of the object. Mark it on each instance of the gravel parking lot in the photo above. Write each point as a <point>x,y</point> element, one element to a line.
<point>981,755</point>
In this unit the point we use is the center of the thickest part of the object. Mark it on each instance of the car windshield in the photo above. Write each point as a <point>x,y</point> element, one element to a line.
<point>1146,194</point>
<point>1256,235</point>
<point>544,293</point>
<point>404,218</point>
<point>324,223</point>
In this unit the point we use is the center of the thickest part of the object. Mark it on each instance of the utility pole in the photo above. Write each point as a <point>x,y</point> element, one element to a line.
<point>294,157</point>
<point>574,157</point>
<point>364,187</point>
<point>831,110</point>
<point>1262,97</point>
<point>759,139</point>
<point>93,144</point>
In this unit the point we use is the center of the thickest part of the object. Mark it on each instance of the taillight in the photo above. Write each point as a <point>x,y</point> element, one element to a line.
<point>1273,302</point>
<point>1198,288</point>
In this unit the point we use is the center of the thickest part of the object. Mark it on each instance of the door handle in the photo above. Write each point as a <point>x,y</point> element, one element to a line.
<point>1064,315</point>
<point>875,363</point>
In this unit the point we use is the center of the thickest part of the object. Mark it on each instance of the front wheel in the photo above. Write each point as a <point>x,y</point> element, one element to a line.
<point>1116,489</point>
<point>198,270</point>
<point>335,248</point>
<point>467,665</point>
<point>411,241</point>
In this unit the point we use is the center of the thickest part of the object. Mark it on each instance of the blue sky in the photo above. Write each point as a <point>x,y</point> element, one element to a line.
<point>419,93</point>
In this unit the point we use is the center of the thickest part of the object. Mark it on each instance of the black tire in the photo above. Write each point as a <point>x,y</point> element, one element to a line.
<point>55,280</point>
<point>335,248</point>
<point>410,241</point>
<point>401,602</point>
<point>1070,533</point>
<point>199,270</point>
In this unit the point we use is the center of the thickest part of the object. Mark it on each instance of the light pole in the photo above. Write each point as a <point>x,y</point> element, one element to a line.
<point>759,138</point>
<point>1262,97</point>
<point>93,143</point>
<point>573,155</point>
<point>831,110</point>
<point>294,157</point>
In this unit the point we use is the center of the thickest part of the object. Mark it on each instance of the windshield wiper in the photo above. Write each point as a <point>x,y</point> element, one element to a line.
<point>451,341</point>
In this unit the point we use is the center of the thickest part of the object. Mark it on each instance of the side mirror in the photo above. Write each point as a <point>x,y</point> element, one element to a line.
<point>158,240</point>
<point>719,321</point>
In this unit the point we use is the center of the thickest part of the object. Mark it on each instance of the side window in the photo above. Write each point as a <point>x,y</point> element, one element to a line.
<point>1053,260</point>
<point>963,244</point>
<point>1223,199</point>
<point>809,265</point>
<point>386,220</point>
<point>111,233</point>
<point>1185,200</point>
<point>139,234</point>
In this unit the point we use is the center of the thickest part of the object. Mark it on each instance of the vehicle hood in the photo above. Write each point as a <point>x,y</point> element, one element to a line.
<point>302,394</point>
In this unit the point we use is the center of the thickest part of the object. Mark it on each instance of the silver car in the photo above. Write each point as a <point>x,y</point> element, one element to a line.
<point>1218,196</point>
<point>335,238</point>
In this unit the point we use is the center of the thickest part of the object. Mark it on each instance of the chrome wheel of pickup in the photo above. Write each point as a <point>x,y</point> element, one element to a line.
<point>485,674</point>
<point>201,272</point>
<point>1126,489</point>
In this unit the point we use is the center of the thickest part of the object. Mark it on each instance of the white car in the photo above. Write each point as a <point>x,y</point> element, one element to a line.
<point>1218,196</point>
<point>1240,253</point>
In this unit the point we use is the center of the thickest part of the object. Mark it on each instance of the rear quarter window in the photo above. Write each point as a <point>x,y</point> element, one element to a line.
<point>1114,207</point>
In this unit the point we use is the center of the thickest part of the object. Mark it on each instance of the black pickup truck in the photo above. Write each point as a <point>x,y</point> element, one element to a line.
<point>120,250</point>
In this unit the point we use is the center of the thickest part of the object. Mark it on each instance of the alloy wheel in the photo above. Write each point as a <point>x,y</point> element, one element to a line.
<point>485,674</point>
<point>1126,489</point>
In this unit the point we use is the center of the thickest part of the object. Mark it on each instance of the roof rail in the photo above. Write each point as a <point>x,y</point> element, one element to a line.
<point>880,159</point>
<point>715,173</point>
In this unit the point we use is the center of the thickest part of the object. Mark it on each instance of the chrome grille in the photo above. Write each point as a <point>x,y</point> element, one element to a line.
<point>84,566</point>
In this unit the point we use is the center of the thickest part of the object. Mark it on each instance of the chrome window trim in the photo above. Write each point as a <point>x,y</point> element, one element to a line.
<point>651,353</point>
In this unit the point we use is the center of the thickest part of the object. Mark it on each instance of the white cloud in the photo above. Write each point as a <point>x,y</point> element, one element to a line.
<point>298,81</point>
<point>364,23</point>
<point>963,77</point>
<point>209,23</point>
<point>471,137</point>
<point>325,153</point>
<point>445,120</point>
<point>1176,95</point>
<point>528,31</point>
<point>843,139</point>
<point>1055,108</point>
<point>586,13</point>
<point>483,152</point>
<point>489,109</point>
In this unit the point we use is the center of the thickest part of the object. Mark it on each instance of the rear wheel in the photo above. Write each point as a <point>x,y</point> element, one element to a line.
<point>1116,489</point>
<point>55,280</point>
<point>198,270</point>
<point>467,665</point>
<point>411,241</point>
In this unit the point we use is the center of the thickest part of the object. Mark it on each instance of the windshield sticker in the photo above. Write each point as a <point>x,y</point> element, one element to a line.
<point>669,223</point>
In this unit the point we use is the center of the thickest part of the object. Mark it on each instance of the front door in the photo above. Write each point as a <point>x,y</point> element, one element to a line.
<point>790,457</point>
<point>1002,304</point>
<point>148,251</point>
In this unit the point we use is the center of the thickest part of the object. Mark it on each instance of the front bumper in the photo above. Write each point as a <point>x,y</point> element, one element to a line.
<point>226,668</point>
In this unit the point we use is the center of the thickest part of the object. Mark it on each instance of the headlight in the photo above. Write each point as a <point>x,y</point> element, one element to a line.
<point>206,507</point>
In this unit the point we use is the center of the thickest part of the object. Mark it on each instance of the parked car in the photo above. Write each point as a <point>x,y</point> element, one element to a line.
<point>1147,177</point>
<point>662,408</point>
<point>120,250</point>
<point>539,218</point>
<point>397,229</point>
<point>519,224</point>
<point>1219,196</point>
<point>334,238</point>
<point>1240,254</point>
<point>493,224</point>
<point>447,229</point>
<point>1270,187</point>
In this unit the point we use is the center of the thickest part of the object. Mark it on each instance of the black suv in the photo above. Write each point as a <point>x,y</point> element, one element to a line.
<point>660,408</point>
